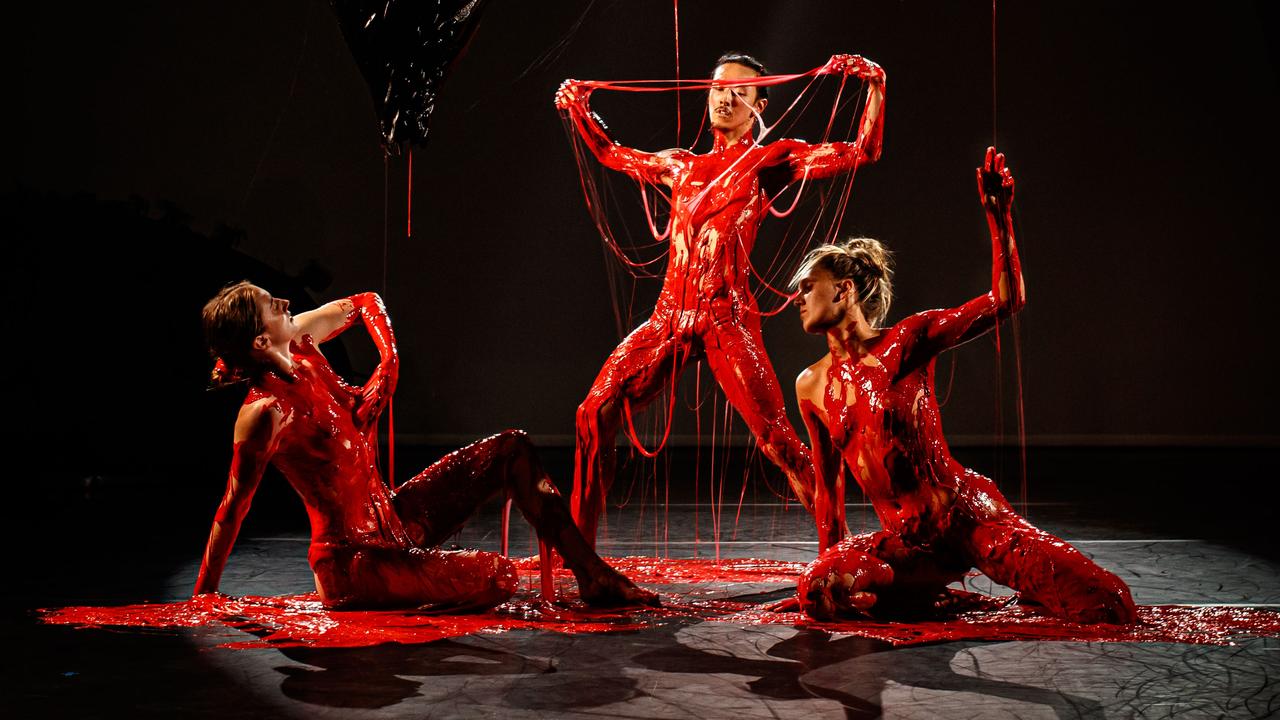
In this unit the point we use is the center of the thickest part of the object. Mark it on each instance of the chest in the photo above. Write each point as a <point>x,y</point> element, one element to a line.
<point>709,184</point>
<point>318,422</point>
<point>866,404</point>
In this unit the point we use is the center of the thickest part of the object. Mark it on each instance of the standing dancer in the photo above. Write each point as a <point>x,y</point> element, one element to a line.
<point>706,307</point>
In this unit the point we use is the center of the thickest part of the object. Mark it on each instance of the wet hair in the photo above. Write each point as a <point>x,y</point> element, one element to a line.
<point>864,260</point>
<point>231,321</point>
<point>762,92</point>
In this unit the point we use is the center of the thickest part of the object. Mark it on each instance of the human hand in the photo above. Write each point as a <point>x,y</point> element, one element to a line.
<point>571,93</point>
<point>855,65</point>
<point>841,581</point>
<point>995,183</point>
<point>375,395</point>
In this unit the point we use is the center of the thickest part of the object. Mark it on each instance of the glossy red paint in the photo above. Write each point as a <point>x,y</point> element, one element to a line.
<point>371,547</point>
<point>879,417</point>
<point>706,307</point>
<point>303,620</point>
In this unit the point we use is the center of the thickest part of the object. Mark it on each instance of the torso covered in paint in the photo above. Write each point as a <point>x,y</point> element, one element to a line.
<point>882,416</point>
<point>718,201</point>
<point>329,461</point>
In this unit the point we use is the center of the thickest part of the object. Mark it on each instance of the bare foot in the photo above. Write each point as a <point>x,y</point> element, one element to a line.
<point>612,589</point>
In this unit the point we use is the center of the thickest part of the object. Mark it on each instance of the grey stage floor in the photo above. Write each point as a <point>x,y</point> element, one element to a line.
<point>675,668</point>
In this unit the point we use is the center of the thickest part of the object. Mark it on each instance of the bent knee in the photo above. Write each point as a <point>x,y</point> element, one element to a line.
<point>599,408</point>
<point>514,440</point>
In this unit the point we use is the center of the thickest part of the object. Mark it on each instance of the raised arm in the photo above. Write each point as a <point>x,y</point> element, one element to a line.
<point>257,430</point>
<point>332,319</point>
<point>938,330</point>
<point>572,99</point>
<point>827,159</point>
<point>828,497</point>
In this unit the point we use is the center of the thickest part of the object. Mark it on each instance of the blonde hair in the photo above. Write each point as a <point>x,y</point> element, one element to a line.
<point>864,260</point>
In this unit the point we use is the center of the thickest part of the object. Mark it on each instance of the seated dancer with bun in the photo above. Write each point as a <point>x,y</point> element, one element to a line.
<point>371,546</point>
<point>706,308</point>
<point>869,404</point>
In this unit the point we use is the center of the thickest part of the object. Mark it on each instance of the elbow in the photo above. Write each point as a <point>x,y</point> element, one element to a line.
<point>1008,300</point>
<point>871,143</point>
<point>365,300</point>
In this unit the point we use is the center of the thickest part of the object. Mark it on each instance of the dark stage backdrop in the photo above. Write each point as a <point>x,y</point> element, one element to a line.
<point>1141,134</point>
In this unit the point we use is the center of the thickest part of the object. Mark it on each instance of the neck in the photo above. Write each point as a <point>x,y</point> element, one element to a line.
<point>727,138</point>
<point>280,361</point>
<point>850,337</point>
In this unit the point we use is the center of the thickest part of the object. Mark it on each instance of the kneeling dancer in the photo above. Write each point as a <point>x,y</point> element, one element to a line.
<point>870,404</point>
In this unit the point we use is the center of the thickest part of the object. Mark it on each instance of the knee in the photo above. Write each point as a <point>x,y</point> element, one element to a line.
<point>595,414</point>
<point>588,413</point>
<point>598,419</point>
<point>514,441</point>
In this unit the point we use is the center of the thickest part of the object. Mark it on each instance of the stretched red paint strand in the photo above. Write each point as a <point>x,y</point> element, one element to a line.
<point>717,203</point>
<point>994,74</point>
<point>391,441</point>
<point>506,526</point>
<point>675,9</point>
<point>303,621</point>
<point>546,567</point>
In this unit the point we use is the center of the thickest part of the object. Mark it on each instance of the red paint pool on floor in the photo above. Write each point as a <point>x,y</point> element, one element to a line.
<point>301,620</point>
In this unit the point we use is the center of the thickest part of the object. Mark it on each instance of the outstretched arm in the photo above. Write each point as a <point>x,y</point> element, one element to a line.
<point>332,319</point>
<point>257,429</point>
<point>572,99</point>
<point>941,329</point>
<point>827,159</point>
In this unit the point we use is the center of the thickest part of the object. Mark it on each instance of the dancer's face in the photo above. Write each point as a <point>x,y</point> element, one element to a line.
<point>728,106</point>
<point>822,300</point>
<point>277,322</point>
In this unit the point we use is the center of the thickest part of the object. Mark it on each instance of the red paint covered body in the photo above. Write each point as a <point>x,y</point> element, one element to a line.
<point>706,307</point>
<point>370,546</point>
<point>870,406</point>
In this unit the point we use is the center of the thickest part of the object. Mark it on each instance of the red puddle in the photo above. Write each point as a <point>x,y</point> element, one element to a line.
<point>661,571</point>
<point>301,620</point>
